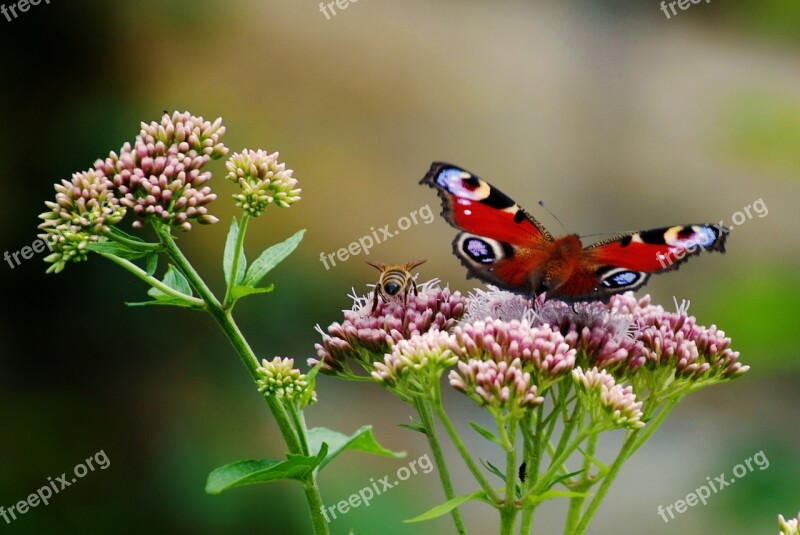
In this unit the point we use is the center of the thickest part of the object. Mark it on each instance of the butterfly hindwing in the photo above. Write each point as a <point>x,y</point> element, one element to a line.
<point>626,262</point>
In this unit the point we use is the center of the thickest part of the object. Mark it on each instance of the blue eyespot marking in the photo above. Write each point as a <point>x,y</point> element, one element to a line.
<point>479,250</point>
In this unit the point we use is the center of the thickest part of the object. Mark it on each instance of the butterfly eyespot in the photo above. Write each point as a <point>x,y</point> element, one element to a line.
<point>479,250</point>
<point>621,278</point>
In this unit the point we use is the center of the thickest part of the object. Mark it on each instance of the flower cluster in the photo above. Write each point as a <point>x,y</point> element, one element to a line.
<point>160,175</point>
<point>263,180</point>
<point>540,349</point>
<point>618,403</point>
<point>281,379</point>
<point>82,212</point>
<point>789,527</point>
<point>546,339</point>
<point>502,385</point>
<point>366,336</point>
<point>417,361</point>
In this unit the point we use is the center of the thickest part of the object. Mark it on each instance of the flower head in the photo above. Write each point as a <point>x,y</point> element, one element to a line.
<point>366,336</point>
<point>600,390</point>
<point>498,304</point>
<point>416,362</point>
<point>160,175</point>
<point>82,212</point>
<point>540,349</point>
<point>789,527</point>
<point>263,180</point>
<point>281,379</point>
<point>502,385</point>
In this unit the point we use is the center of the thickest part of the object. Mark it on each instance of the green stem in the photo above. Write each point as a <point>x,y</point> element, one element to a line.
<point>300,427</point>
<point>237,257</point>
<point>225,320</point>
<point>459,444</point>
<point>576,504</point>
<point>135,245</point>
<point>315,506</point>
<point>152,281</point>
<point>533,459</point>
<point>425,414</point>
<point>508,514</point>
<point>632,443</point>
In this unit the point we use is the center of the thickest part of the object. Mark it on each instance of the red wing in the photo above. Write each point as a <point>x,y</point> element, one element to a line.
<point>626,262</point>
<point>657,250</point>
<point>500,243</point>
<point>471,204</point>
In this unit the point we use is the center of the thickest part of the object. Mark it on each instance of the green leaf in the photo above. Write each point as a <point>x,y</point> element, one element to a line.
<point>449,505</point>
<point>551,494</point>
<point>243,291</point>
<point>117,249</point>
<point>485,433</point>
<point>419,428</point>
<point>561,479</point>
<point>493,469</point>
<point>175,280</point>
<point>271,257</point>
<point>230,251</point>
<point>249,472</point>
<point>361,440</point>
<point>166,301</point>
<point>114,231</point>
<point>152,263</point>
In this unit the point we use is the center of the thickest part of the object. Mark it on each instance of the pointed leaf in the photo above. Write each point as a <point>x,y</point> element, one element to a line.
<point>117,249</point>
<point>250,472</point>
<point>122,234</point>
<point>166,301</point>
<point>414,427</point>
<point>175,280</point>
<point>361,440</point>
<point>493,469</point>
<point>485,433</point>
<point>243,291</point>
<point>271,257</point>
<point>449,505</point>
<point>228,255</point>
<point>152,263</point>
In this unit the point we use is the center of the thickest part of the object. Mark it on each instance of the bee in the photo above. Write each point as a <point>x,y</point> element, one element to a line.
<point>394,281</point>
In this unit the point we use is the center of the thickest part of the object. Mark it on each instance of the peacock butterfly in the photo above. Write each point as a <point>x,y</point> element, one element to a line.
<point>501,244</point>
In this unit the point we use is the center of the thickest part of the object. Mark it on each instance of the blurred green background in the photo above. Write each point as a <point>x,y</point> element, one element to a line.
<point>614,115</point>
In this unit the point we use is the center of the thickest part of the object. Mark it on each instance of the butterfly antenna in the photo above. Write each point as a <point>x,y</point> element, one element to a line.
<point>546,209</point>
<point>617,233</point>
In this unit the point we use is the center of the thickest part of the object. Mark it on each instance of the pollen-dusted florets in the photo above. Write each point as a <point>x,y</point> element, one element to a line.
<point>160,175</point>
<point>263,180</point>
<point>84,208</point>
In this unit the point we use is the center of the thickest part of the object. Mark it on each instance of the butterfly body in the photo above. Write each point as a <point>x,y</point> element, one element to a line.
<point>502,244</point>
